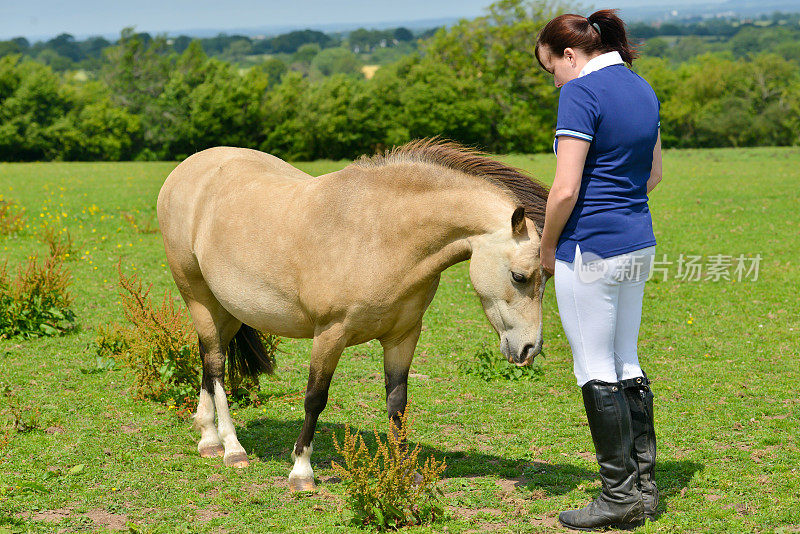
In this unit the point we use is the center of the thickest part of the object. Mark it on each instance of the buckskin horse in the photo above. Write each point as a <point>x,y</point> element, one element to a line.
<point>255,244</point>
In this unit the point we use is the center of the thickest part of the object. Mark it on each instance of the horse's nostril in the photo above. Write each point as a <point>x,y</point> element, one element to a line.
<point>523,355</point>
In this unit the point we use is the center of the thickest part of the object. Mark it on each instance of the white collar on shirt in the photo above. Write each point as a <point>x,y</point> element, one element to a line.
<point>603,60</point>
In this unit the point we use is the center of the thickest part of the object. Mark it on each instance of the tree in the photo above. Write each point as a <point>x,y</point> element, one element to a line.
<point>403,34</point>
<point>432,99</point>
<point>65,45</point>
<point>656,47</point>
<point>136,74</point>
<point>274,69</point>
<point>205,103</point>
<point>496,52</point>
<point>33,102</point>
<point>336,61</point>
<point>8,48</point>
<point>290,42</point>
<point>715,100</point>
<point>181,43</point>
<point>237,50</point>
<point>306,53</point>
<point>42,118</point>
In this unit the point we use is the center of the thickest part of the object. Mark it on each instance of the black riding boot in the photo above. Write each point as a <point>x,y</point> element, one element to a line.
<point>640,399</point>
<point>620,503</point>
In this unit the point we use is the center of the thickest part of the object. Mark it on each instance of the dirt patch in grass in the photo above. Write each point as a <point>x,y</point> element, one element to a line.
<point>204,515</point>
<point>52,516</point>
<point>508,485</point>
<point>486,527</point>
<point>509,493</point>
<point>106,519</point>
<point>469,513</point>
<point>548,521</point>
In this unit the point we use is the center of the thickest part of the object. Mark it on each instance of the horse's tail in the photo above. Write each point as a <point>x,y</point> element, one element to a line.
<point>247,355</point>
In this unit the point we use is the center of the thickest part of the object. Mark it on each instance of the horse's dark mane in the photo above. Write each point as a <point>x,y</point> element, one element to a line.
<point>528,192</point>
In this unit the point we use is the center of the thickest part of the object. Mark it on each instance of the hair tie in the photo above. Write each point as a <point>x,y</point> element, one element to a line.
<point>597,27</point>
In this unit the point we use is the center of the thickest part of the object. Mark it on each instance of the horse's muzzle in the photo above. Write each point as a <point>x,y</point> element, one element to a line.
<point>527,354</point>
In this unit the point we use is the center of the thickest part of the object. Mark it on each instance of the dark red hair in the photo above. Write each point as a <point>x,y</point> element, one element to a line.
<point>575,31</point>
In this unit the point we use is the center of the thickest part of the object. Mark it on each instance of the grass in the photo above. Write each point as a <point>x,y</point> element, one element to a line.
<point>723,357</point>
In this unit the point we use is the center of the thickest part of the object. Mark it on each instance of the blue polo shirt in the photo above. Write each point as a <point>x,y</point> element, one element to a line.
<point>617,111</point>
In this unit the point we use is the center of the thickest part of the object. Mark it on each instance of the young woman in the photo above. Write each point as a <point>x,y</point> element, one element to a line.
<point>598,242</point>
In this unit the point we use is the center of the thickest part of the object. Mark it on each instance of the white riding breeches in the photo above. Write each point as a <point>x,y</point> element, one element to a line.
<point>600,303</point>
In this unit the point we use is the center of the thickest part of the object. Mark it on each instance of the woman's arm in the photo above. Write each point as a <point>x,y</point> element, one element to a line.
<point>655,172</point>
<point>563,194</point>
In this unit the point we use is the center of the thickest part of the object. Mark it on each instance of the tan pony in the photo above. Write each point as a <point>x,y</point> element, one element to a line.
<point>255,244</point>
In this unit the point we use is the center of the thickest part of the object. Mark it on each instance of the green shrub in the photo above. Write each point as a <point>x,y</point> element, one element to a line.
<point>12,217</point>
<point>489,365</point>
<point>60,243</point>
<point>35,302</point>
<point>389,489</point>
<point>159,345</point>
<point>141,225</point>
<point>15,417</point>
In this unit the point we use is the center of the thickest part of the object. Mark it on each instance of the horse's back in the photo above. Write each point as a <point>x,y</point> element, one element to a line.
<point>225,163</point>
<point>214,170</point>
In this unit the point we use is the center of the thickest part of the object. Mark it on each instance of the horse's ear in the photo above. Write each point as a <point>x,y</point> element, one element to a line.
<point>518,222</point>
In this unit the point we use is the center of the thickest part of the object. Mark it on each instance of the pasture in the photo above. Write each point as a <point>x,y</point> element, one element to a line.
<point>723,357</point>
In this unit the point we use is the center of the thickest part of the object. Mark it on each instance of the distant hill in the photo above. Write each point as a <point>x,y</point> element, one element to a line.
<point>277,29</point>
<point>670,11</point>
<point>660,11</point>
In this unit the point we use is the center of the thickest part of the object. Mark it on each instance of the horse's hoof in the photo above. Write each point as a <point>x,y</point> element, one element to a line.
<point>212,451</point>
<point>299,484</point>
<point>237,459</point>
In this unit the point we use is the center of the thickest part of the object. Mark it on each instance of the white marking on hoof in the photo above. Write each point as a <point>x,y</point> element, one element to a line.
<point>302,465</point>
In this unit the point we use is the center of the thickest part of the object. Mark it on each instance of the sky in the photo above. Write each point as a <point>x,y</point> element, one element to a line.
<point>47,18</point>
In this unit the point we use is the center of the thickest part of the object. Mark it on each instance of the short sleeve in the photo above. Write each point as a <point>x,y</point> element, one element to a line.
<point>578,111</point>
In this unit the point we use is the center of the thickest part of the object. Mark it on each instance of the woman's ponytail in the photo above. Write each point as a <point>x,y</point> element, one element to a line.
<point>613,35</point>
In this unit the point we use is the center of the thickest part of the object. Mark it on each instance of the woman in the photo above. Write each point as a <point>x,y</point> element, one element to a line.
<point>598,242</point>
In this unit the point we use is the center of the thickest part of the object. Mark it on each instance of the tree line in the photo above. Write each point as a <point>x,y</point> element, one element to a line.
<point>64,52</point>
<point>476,82</point>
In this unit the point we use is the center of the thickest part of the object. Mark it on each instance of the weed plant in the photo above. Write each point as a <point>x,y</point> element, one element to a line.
<point>12,217</point>
<point>159,345</point>
<point>489,365</point>
<point>389,489</point>
<point>35,302</point>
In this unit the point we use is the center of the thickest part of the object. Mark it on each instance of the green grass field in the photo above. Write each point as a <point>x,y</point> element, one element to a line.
<point>723,356</point>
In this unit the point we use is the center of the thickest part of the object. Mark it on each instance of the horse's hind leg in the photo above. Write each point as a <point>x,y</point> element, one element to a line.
<point>215,328</point>
<point>209,445</point>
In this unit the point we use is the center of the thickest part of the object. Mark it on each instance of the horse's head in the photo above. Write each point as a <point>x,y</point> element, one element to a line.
<point>506,272</point>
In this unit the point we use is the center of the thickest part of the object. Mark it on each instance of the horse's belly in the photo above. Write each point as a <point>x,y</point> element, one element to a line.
<point>264,309</point>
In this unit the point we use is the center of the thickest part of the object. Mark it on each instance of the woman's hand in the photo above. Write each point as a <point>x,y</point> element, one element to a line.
<point>547,255</point>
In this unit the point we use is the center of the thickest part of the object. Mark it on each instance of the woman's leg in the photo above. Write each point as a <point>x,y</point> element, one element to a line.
<point>635,384</point>
<point>631,270</point>
<point>588,311</point>
<point>588,295</point>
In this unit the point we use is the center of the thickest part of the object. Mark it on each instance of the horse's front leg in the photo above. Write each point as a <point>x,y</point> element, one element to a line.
<point>325,352</point>
<point>397,356</point>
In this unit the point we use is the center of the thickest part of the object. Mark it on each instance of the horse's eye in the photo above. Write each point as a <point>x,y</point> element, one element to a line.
<point>518,278</point>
